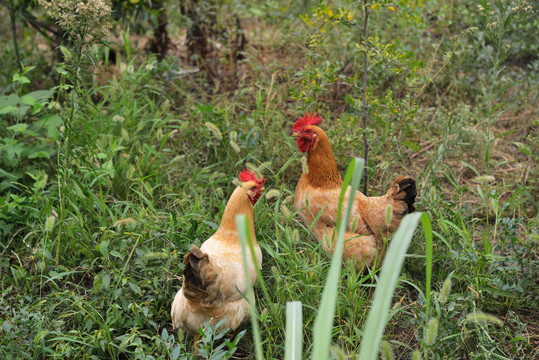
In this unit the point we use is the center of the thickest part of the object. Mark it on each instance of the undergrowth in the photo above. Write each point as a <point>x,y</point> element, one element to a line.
<point>109,172</point>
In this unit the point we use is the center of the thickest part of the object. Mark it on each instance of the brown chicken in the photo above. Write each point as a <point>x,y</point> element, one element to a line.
<point>372,219</point>
<point>214,277</point>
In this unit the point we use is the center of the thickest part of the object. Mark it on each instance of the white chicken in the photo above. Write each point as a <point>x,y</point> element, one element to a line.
<point>214,277</point>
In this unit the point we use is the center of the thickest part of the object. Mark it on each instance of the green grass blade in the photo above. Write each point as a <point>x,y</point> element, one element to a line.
<point>427,229</point>
<point>259,276</point>
<point>323,323</point>
<point>286,165</point>
<point>245,237</point>
<point>294,336</point>
<point>391,268</point>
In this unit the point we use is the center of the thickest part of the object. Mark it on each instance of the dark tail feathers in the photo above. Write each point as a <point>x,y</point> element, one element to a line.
<point>406,192</point>
<point>197,275</point>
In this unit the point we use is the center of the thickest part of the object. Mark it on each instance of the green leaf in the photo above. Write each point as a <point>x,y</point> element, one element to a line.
<point>294,336</point>
<point>175,353</point>
<point>18,128</point>
<point>523,148</point>
<point>10,176</point>
<point>391,268</point>
<point>427,229</point>
<point>30,100</point>
<point>6,326</point>
<point>13,150</point>
<point>323,323</point>
<point>105,282</point>
<point>43,95</point>
<point>50,122</point>
<point>9,100</point>
<point>116,254</point>
<point>104,248</point>
<point>412,145</point>
<point>60,275</point>
<point>135,288</point>
<point>7,109</point>
<point>20,79</point>
<point>34,152</point>
<point>245,237</point>
<point>211,224</point>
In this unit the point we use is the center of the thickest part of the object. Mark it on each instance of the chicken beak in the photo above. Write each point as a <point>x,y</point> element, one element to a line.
<point>295,134</point>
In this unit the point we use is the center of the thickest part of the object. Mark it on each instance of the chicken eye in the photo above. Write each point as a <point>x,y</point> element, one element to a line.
<point>253,188</point>
<point>308,131</point>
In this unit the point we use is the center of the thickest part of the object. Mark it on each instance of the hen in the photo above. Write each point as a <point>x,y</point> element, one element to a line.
<point>214,277</point>
<point>372,219</point>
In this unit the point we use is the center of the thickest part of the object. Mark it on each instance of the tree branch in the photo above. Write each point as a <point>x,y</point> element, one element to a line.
<point>364,96</point>
<point>13,30</point>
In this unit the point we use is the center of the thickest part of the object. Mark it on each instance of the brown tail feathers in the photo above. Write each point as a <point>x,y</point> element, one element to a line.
<point>197,275</point>
<point>404,189</point>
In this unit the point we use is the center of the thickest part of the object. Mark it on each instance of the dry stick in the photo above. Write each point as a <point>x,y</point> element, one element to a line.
<point>428,147</point>
<point>270,96</point>
<point>233,70</point>
<point>13,30</point>
<point>364,96</point>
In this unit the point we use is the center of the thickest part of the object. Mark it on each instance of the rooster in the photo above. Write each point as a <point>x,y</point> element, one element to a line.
<point>372,219</point>
<point>214,277</point>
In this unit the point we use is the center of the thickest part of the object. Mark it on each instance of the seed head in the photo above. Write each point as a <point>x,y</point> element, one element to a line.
<point>480,317</point>
<point>432,331</point>
<point>215,130</point>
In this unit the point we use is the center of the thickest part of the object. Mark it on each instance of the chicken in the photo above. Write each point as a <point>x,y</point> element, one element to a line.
<point>318,190</point>
<point>214,277</point>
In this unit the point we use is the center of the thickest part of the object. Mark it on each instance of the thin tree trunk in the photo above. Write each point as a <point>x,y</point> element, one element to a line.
<point>160,42</point>
<point>364,96</point>
<point>13,30</point>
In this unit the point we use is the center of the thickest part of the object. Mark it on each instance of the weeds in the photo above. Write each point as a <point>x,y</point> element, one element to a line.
<point>103,188</point>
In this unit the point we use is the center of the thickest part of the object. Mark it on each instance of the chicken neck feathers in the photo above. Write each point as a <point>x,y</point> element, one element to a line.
<point>214,273</point>
<point>199,272</point>
<point>237,204</point>
<point>322,168</point>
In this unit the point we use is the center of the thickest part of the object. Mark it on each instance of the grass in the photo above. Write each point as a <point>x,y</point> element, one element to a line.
<point>152,156</point>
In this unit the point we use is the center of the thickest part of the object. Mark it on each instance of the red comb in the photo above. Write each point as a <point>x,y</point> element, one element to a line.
<point>247,175</point>
<point>308,119</point>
